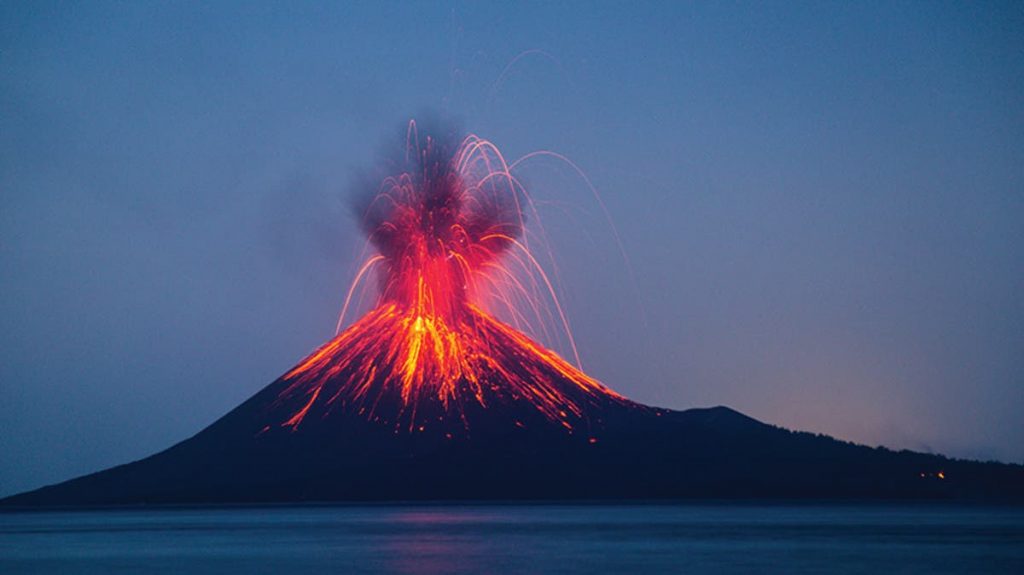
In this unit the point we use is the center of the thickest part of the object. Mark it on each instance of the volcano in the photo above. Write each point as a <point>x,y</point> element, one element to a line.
<point>442,391</point>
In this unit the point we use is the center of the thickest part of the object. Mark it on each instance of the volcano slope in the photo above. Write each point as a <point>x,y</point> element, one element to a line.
<point>311,436</point>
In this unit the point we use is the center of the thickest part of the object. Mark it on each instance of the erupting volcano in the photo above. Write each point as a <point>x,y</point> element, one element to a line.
<point>447,230</point>
<point>441,390</point>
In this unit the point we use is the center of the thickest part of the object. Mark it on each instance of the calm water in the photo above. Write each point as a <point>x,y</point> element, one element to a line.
<point>519,539</point>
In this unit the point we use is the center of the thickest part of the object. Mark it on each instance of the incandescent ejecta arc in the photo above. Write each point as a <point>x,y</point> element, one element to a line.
<point>449,231</point>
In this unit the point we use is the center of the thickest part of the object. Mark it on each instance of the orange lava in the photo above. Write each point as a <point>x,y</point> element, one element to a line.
<point>394,356</point>
<point>451,248</point>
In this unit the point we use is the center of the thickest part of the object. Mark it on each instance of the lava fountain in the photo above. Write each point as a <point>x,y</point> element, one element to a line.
<point>450,252</point>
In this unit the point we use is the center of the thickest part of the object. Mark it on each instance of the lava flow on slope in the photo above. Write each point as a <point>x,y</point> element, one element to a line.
<point>451,252</point>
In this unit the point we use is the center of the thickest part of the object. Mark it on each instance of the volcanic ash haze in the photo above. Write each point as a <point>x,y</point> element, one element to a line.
<point>448,228</point>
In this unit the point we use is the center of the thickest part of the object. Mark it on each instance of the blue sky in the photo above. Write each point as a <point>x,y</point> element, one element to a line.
<point>821,204</point>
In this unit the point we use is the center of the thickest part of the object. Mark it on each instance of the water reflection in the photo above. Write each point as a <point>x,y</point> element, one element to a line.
<point>518,539</point>
<point>427,545</point>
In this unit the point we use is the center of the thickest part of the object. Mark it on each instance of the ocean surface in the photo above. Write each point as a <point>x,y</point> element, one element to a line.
<point>704,538</point>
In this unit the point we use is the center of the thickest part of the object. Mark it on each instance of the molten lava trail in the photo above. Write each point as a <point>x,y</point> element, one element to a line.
<point>448,228</point>
<point>419,368</point>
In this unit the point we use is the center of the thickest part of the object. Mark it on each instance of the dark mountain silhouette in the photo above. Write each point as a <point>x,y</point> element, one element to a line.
<point>504,447</point>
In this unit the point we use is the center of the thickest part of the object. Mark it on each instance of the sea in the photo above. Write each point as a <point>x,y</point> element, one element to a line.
<point>520,538</point>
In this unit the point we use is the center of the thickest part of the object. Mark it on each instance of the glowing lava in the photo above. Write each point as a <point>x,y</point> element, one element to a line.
<point>448,229</point>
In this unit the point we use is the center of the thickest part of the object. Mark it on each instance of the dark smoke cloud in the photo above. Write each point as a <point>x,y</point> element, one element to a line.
<point>441,208</point>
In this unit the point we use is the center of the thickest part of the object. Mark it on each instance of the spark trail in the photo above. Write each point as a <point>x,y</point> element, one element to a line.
<point>448,226</point>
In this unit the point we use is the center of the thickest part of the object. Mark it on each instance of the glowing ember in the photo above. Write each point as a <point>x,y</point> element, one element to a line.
<point>448,229</point>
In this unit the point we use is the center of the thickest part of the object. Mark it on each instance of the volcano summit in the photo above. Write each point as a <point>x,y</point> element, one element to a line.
<point>442,391</point>
<point>430,354</point>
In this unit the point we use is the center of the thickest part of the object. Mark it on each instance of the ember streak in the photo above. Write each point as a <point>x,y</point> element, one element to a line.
<point>448,230</point>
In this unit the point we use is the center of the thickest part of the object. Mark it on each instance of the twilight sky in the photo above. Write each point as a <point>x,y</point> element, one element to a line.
<point>822,205</point>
